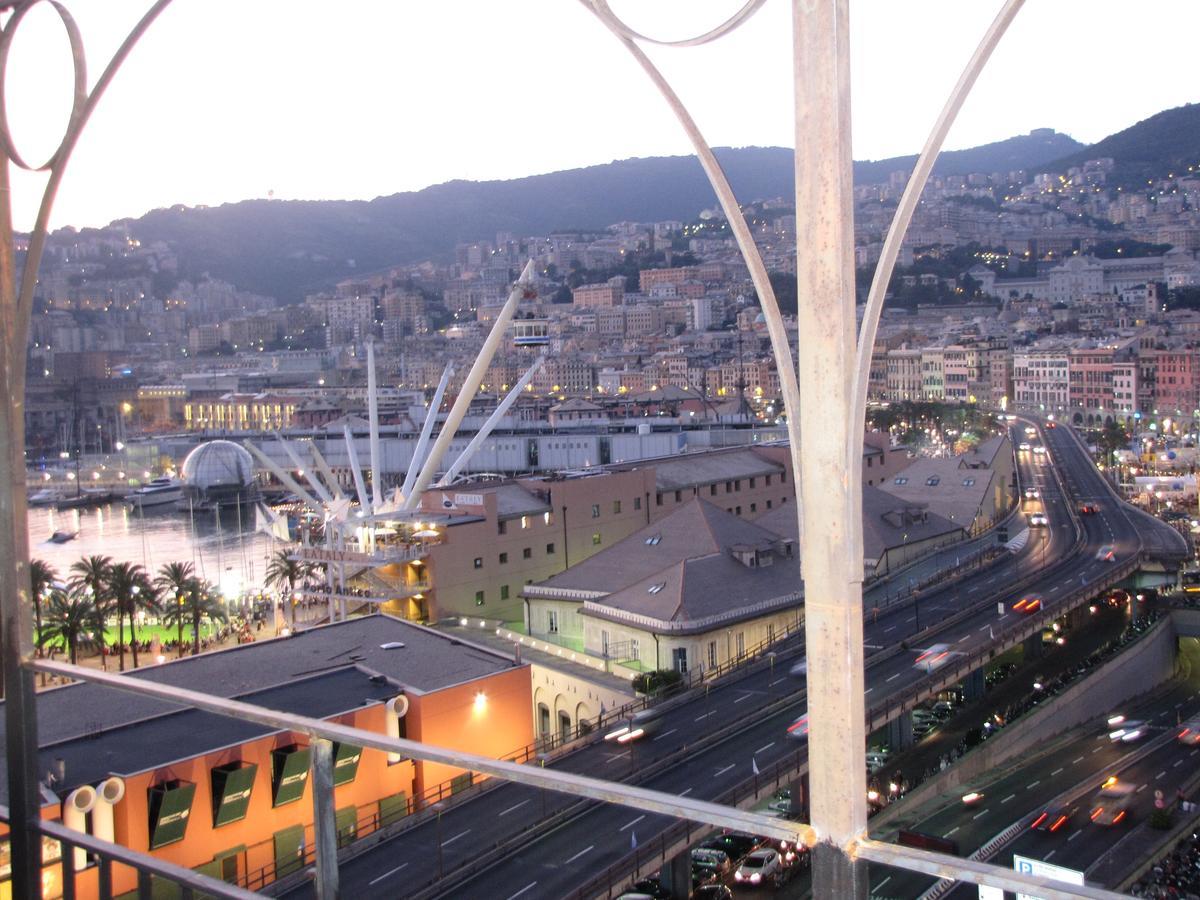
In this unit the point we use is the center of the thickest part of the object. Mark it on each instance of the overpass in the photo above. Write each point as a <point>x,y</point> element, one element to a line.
<point>727,741</point>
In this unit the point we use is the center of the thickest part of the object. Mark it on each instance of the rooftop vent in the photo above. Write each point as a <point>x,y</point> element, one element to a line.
<point>390,645</point>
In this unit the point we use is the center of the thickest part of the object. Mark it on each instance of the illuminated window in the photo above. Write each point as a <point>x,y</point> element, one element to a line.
<point>479,562</point>
<point>479,598</point>
<point>596,539</point>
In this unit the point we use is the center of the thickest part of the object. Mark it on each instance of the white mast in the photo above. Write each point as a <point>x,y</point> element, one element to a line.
<point>492,422</point>
<point>373,419</point>
<point>414,465</point>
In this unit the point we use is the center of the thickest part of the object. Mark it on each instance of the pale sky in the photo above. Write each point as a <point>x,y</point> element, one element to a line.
<point>231,99</point>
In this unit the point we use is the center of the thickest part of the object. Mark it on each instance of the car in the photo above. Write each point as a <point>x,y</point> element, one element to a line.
<point>1028,604</point>
<point>1040,450</point>
<point>1126,731</point>
<point>1106,553</point>
<point>759,867</point>
<point>1032,493</point>
<point>800,669</point>
<point>712,892</point>
<point>1189,731</point>
<point>1025,445</point>
<point>799,729</point>
<point>711,858</point>
<point>1051,424</point>
<point>943,709</point>
<point>1038,520</point>
<point>1030,430</point>
<point>652,887</point>
<point>642,723</point>
<point>1111,806</point>
<point>920,714</point>
<point>933,657</point>
<point>1088,509</point>
<point>876,761</point>
<point>1051,818</point>
<point>735,844</point>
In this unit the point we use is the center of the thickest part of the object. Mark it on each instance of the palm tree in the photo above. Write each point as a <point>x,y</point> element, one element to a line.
<point>173,582</point>
<point>72,618</point>
<point>130,590</point>
<point>42,576</point>
<point>198,602</point>
<point>90,576</point>
<point>282,570</point>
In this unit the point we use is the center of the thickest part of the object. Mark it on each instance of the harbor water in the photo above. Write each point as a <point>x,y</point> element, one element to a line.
<point>226,551</point>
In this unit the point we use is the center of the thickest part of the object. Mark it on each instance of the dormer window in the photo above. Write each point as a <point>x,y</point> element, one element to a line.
<point>933,480</point>
<point>967,482</point>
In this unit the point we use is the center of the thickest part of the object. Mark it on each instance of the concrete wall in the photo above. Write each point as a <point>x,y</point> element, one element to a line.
<point>1139,668</point>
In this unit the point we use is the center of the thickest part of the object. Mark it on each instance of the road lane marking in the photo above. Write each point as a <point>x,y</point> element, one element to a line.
<point>894,677</point>
<point>885,631</point>
<point>706,715</point>
<point>1075,835</point>
<point>684,793</point>
<point>664,734</point>
<point>775,682</point>
<point>985,627</point>
<point>1077,760</point>
<point>511,808</point>
<point>982,812</point>
<point>951,831</point>
<point>616,756</point>
<point>772,744</point>
<point>527,887</point>
<point>963,638</point>
<point>1098,749</point>
<point>579,854</point>
<point>1194,752</point>
<point>631,824</point>
<point>1033,784</point>
<point>1050,854</point>
<point>448,842</point>
<point>868,690</point>
<point>1160,774</point>
<point>1056,772</point>
<point>878,886</point>
<point>743,697</point>
<point>1142,788</point>
<point>1177,764</point>
<point>721,772</point>
<point>1006,799</point>
<point>387,874</point>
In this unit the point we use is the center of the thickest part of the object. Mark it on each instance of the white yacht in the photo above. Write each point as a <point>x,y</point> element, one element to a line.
<point>158,492</point>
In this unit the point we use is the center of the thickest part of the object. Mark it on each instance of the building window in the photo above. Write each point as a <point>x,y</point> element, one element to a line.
<point>768,481</point>
<point>527,553</point>
<point>549,549</point>
<point>753,507</point>
<point>729,487</point>
<point>524,521</point>
<point>504,592</point>
<point>737,510</point>
<point>596,539</point>
<point>616,507</point>
<point>479,562</point>
<point>552,621</point>
<point>548,517</point>
<point>658,499</point>
<point>900,479</point>
<point>635,651</point>
<point>501,527</point>
<point>679,660</point>
<point>479,598</point>
<point>737,485</point>
<point>637,502</point>
<point>678,496</point>
<point>595,510</point>
<point>752,482</point>
<point>712,654</point>
<point>769,504</point>
<point>783,476</point>
<point>932,480</point>
<point>503,558</point>
<point>740,642</point>
<point>712,490</point>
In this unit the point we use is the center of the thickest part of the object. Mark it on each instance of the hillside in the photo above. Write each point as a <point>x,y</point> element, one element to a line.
<point>1153,148</point>
<point>289,248</point>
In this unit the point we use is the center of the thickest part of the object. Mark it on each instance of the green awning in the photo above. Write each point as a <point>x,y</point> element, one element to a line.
<point>345,762</point>
<point>231,788</point>
<point>170,806</point>
<point>289,773</point>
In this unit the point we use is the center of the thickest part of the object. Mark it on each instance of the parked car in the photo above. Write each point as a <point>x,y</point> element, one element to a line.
<point>943,709</point>
<point>712,892</point>
<point>711,858</point>
<point>735,844</point>
<point>652,887</point>
<point>760,867</point>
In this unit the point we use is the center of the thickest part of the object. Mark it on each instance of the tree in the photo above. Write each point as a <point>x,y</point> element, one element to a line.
<point>72,617</point>
<point>173,582</point>
<point>282,570</point>
<point>199,603</point>
<point>129,590</point>
<point>42,576</point>
<point>1112,438</point>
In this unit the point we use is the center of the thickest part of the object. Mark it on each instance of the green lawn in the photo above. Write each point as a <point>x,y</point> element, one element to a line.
<point>149,632</point>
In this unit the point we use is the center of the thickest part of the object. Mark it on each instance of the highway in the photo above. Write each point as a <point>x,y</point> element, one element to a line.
<point>1083,756</point>
<point>762,702</point>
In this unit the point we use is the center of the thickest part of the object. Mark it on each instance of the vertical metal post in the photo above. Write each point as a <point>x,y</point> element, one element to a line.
<point>831,542</point>
<point>324,819</point>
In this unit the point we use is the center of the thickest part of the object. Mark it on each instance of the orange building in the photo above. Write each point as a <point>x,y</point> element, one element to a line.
<point>231,798</point>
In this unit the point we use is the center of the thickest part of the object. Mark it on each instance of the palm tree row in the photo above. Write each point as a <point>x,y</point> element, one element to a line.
<point>70,614</point>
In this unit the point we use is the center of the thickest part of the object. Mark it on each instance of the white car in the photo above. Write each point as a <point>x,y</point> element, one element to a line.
<point>759,867</point>
<point>1038,520</point>
<point>800,669</point>
<point>1127,730</point>
<point>1032,493</point>
<point>933,657</point>
<point>1025,445</point>
<point>1106,553</point>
